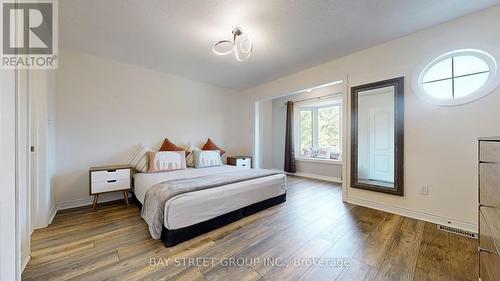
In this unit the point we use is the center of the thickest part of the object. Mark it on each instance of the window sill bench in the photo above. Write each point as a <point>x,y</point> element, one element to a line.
<point>317,160</point>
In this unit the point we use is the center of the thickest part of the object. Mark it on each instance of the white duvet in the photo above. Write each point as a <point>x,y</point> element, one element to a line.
<point>194,207</point>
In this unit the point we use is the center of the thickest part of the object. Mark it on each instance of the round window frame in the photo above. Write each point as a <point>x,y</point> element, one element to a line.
<point>491,83</point>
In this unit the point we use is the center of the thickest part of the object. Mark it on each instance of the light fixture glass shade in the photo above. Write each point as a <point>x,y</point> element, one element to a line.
<point>223,47</point>
<point>241,45</point>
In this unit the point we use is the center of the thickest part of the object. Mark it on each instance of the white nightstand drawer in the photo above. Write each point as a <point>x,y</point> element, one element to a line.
<point>110,185</point>
<point>489,151</point>
<point>244,162</point>
<point>106,175</point>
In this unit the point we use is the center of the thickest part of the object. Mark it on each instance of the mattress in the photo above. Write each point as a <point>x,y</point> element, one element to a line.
<point>194,207</point>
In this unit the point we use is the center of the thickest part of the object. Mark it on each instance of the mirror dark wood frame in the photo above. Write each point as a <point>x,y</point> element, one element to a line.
<point>398,84</point>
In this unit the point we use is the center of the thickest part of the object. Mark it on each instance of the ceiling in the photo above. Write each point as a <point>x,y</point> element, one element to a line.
<point>176,36</point>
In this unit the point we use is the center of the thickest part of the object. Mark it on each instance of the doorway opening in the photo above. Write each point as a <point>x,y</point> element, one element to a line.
<point>319,132</point>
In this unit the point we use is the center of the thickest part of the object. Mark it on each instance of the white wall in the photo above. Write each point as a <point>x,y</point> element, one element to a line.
<point>9,262</point>
<point>320,170</point>
<point>440,142</point>
<point>266,135</point>
<point>105,109</point>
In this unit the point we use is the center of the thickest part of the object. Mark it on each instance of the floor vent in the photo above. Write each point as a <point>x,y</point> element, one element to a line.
<point>457,231</point>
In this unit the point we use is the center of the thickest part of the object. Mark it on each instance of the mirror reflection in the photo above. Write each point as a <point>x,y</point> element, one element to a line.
<point>376,137</point>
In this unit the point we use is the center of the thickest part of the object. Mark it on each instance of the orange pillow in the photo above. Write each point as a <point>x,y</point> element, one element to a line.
<point>169,146</point>
<point>210,145</point>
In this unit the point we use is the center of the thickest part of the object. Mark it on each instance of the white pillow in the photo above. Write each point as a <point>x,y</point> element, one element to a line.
<point>324,153</point>
<point>207,158</point>
<point>190,156</point>
<point>140,159</point>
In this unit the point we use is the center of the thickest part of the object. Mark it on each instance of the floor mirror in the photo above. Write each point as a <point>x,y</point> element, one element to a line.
<point>377,136</point>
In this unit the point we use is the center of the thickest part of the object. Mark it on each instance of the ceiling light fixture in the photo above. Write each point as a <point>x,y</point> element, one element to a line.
<point>241,45</point>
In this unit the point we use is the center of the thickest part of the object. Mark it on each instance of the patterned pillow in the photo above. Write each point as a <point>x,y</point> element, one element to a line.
<point>189,155</point>
<point>324,153</point>
<point>140,159</point>
<point>170,146</point>
<point>208,158</point>
<point>210,145</point>
<point>163,161</point>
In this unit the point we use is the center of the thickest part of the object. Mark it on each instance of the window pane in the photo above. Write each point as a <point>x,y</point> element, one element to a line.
<point>469,64</point>
<point>441,70</point>
<point>440,89</point>
<point>465,86</point>
<point>329,128</point>
<point>306,133</point>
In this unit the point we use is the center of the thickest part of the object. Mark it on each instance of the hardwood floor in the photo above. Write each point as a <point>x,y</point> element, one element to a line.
<point>314,225</point>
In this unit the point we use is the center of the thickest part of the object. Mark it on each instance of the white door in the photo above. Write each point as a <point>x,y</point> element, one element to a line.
<point>24,164</point>
<point>381,152</point>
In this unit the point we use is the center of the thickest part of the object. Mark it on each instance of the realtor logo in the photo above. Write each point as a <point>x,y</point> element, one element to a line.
<point>29,34</point>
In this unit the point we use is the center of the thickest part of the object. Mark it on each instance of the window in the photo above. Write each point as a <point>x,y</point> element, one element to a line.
<point>319,131</point>
<point>306,131</point>
<point>457,77</point>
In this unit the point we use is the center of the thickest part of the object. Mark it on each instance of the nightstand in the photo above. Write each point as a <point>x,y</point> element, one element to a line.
<point>240,161</point>
<point>106,179</point>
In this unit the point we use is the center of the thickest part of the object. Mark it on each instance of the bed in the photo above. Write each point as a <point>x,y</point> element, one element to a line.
<point>193,213</point>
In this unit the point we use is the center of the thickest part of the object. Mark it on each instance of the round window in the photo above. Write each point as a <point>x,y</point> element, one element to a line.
<point>457,77</point>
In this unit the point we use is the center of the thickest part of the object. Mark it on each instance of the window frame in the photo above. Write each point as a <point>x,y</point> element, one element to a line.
<point>315,129</point>
<point>488,86</point>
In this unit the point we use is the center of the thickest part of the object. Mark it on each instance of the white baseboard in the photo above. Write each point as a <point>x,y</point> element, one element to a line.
<point>405,212</point>
<point>318,177</point>
<point>73,204</point>
<point>52,214</point>
<point>88,201</point>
